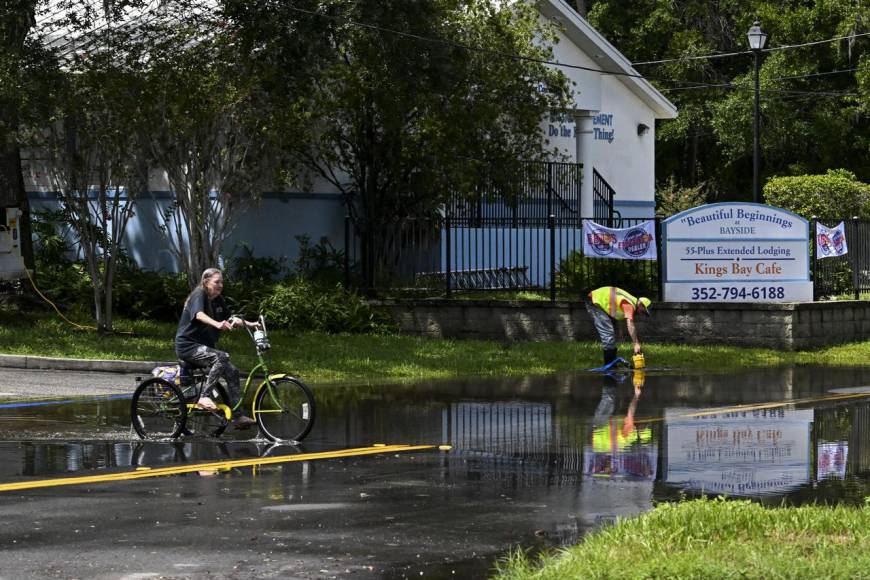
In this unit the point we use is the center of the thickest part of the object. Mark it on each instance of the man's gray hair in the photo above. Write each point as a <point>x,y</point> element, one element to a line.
<point>208,274</point>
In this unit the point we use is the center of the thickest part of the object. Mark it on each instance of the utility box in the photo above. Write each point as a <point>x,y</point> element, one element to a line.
<point>11,262</point>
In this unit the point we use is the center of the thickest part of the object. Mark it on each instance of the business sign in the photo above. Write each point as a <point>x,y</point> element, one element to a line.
<point>736,252</point>
<point>742,453</point>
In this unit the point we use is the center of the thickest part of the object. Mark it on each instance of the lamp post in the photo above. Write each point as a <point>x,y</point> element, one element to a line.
<point>757,38</point>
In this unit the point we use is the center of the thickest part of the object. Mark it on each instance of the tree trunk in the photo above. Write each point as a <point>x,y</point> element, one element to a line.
<point>581,7</point>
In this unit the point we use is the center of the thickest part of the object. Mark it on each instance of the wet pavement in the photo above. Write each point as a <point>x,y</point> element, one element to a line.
<point>534,462</point>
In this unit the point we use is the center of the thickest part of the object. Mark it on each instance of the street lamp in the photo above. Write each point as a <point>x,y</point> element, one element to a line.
<point>757,38</point>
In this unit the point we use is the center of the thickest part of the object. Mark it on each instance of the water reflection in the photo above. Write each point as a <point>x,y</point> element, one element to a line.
<point>741,453</point>
<point>611,444</point>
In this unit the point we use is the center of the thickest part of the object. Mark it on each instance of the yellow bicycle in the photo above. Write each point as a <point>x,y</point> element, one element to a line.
<point>283,405</point>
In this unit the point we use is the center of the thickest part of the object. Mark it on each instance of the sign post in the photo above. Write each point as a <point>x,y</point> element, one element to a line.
<point>736,252</point>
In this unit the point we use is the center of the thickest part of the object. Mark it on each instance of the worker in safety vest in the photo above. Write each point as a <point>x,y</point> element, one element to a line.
<point>608,304</point>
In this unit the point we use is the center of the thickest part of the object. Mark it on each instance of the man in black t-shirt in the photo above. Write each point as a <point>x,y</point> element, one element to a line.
<point>205,316</point>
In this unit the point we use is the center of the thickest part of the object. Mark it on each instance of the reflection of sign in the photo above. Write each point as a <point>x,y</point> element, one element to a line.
<point>739,453</point>
<point>736,252</point>
<point>634,243</point>
<point>832,459</point>
<point>831,242</point>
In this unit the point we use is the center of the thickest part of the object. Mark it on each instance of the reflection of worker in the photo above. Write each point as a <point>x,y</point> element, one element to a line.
<point>615,450</point>
<point>608,304</point>
<point>638,379</point>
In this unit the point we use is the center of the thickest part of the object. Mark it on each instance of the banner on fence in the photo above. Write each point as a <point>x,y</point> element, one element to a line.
<point>831,242</point>
<point>635,243</point>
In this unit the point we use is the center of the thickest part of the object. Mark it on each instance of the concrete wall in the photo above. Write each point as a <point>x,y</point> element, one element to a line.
<point>793,326</point>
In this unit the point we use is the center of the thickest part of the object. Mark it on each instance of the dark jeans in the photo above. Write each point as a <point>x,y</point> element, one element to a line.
<point>604,325</point>
<point>219,366</point>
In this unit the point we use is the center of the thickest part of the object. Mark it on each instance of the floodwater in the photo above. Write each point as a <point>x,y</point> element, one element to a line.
<point>534,462</point>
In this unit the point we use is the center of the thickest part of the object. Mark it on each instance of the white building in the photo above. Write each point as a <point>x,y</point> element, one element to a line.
<point>612,127</point>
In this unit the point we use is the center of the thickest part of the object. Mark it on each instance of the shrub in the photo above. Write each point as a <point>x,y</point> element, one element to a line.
<point>578,273</point>
<point>142,294</point>
<point>321,263</point>
<point>671,199</point>
<point>833,196</point>
<point>299,304</point>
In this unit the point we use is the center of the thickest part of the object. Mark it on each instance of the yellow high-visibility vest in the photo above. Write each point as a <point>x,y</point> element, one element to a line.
<point>608,298</point>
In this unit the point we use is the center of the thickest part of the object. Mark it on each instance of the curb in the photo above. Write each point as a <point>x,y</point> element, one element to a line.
<point>76,364</point>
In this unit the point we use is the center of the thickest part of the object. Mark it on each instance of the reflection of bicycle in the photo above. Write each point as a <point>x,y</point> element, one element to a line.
<point>282,405</point>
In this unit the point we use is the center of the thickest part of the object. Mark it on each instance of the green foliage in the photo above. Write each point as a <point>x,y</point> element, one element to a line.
<point>250,269</point>
<point>385,103</point>
<point>671,198</point>
<point>578,274</point>
<point>63,281</point>
<point>299,304</point>
<point>714,538</point>
<point>321,263</point>
<point>810,120</point>
<point>833,196</point>
<point>152,295</point>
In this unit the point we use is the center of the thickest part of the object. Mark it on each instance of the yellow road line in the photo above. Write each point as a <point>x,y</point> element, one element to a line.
<point>188,468</point>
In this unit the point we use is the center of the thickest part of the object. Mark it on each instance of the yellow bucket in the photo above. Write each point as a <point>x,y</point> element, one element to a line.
<point>638,361</point>
<point>638,378</point>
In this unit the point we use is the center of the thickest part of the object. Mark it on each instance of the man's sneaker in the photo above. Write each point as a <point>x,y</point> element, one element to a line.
<point>243,422</point>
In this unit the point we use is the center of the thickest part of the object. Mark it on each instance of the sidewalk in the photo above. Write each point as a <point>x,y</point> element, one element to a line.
<point>77,364</point>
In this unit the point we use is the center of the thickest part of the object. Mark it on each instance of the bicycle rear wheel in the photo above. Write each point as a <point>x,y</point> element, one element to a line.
<point>285,411</point>
<point>157,410</point>
<point>201,422</point>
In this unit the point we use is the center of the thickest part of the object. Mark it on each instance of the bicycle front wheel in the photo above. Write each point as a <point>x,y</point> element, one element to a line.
<point>284,409</point>
<point>158,410</point>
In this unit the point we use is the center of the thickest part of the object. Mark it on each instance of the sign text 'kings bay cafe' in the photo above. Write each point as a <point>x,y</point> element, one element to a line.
<point>736,252</point>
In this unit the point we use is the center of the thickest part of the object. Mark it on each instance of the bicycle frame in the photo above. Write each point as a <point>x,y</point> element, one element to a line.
<point>260,366</point>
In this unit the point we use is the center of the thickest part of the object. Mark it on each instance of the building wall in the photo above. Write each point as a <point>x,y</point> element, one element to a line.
<point>791,326</point>
<point>269,228</point>
<point>606,116</point>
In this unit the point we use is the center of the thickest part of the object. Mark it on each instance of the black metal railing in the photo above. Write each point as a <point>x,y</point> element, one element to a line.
<point>603,211</point>
<point>526,197</point>
<point>435,257</point>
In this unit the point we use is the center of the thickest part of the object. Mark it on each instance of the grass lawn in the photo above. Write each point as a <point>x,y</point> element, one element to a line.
<point>714,539</point>
<point>323,357</point>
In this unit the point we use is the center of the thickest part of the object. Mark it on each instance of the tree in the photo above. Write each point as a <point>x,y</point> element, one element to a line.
<point>397,104</point>
<point>204,126</point>
<point>94,158</point>
<point>813,99</point>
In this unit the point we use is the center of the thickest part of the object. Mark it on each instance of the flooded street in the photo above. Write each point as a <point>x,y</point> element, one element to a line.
<point>533,462</point>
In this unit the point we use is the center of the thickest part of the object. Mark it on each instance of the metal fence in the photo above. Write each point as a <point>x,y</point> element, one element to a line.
<point>492,252</point>
<point>437,257</point>
<point>847,275</point>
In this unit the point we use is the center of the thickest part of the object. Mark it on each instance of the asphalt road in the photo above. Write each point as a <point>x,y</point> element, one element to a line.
<point>58,383</point>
